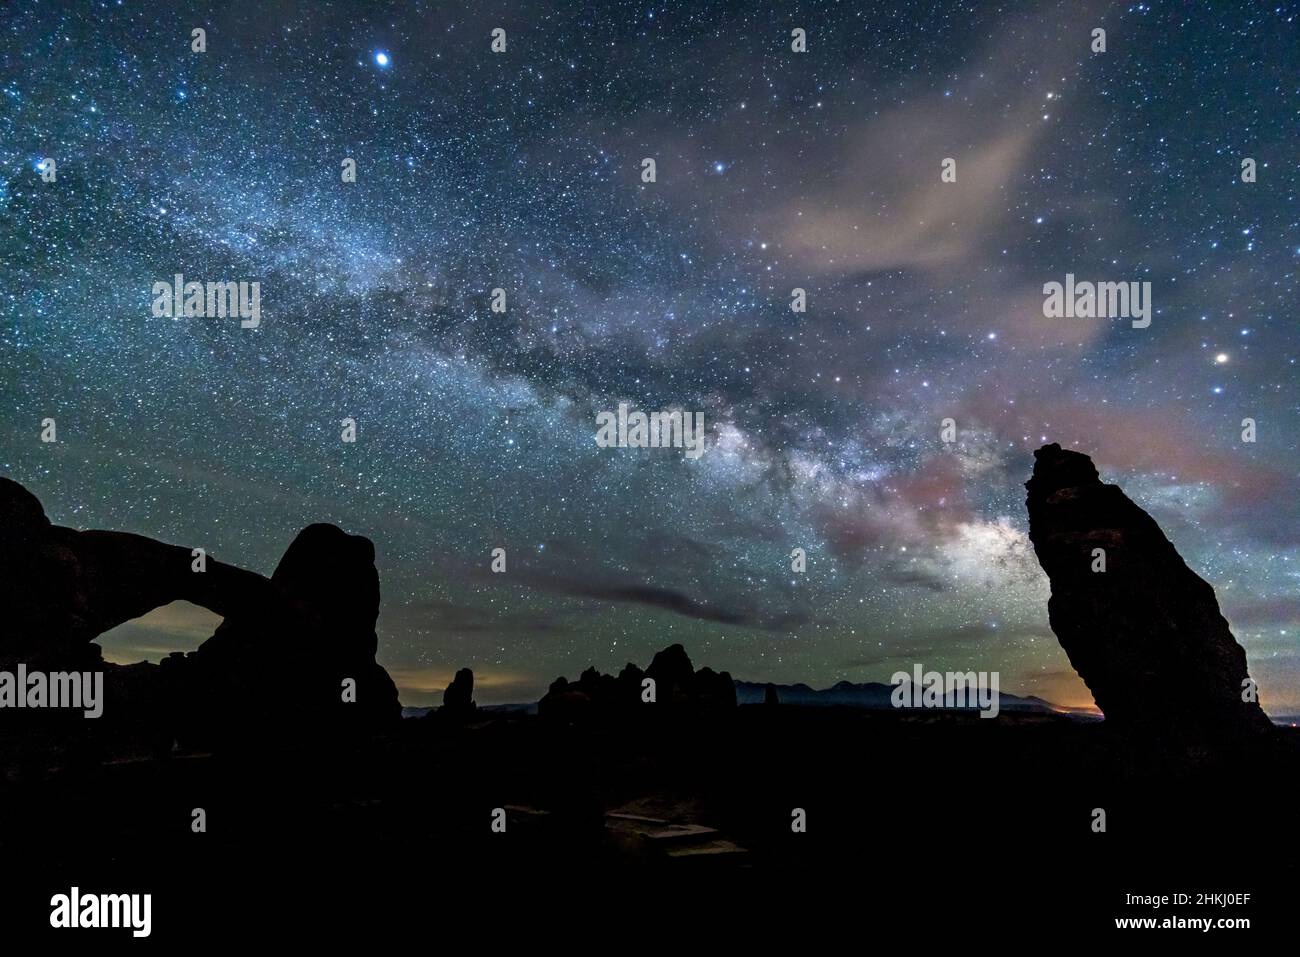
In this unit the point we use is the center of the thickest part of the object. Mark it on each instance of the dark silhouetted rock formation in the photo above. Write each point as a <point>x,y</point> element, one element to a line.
<point>678,687</point>
<point>270,665</point>
<point>1146,634</point>
<point>458,699</point>
<point>62,588</point>
<point>282,653</point>
<point>770,698</point>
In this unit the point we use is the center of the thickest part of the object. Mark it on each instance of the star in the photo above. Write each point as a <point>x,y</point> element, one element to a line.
<point>521,172</point>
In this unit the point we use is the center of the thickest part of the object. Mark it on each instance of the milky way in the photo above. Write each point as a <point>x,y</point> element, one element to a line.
<point>776,170</point>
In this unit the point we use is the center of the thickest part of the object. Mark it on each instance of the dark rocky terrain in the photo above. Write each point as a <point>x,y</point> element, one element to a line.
<point>310,626</point>
<point>678,688</point>
<point>322,813</point>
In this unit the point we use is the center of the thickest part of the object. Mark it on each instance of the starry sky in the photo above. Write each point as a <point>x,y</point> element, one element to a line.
<point>775,170</point>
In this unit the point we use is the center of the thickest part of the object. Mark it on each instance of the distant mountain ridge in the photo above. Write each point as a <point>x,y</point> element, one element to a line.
<point>873,695</point>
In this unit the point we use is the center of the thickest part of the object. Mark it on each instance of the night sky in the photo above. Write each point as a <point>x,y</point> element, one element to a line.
<point>775,170</point>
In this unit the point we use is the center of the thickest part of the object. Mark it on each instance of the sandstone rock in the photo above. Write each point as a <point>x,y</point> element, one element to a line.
<point>673,674</point>
<point>714,689</point>
<point>282,653</point>
<point>458,699</point>
<point>1146,635</point>
<point>288,661</point>
<point>61,588</point>
<point>678,686</point>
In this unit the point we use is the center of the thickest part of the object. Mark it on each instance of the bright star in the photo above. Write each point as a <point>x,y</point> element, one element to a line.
<point>381,58</point>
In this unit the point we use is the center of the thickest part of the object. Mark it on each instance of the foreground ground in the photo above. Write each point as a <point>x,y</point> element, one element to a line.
<point>942,817</point>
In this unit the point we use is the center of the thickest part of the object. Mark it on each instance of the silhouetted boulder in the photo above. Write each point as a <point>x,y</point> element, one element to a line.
<point>678,686</point>
<point>458,699</point>
<point>275,666</point>
<point>713,689</point>
<point>1146,634</point>
<point>770,698</point>
<point>673,673</point>
<point>628,685</point>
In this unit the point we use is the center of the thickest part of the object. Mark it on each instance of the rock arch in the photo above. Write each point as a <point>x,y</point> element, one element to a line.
<point>285,642</point>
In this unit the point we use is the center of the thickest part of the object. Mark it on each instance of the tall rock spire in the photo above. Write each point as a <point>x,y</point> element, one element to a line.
<point>1142,629</point>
